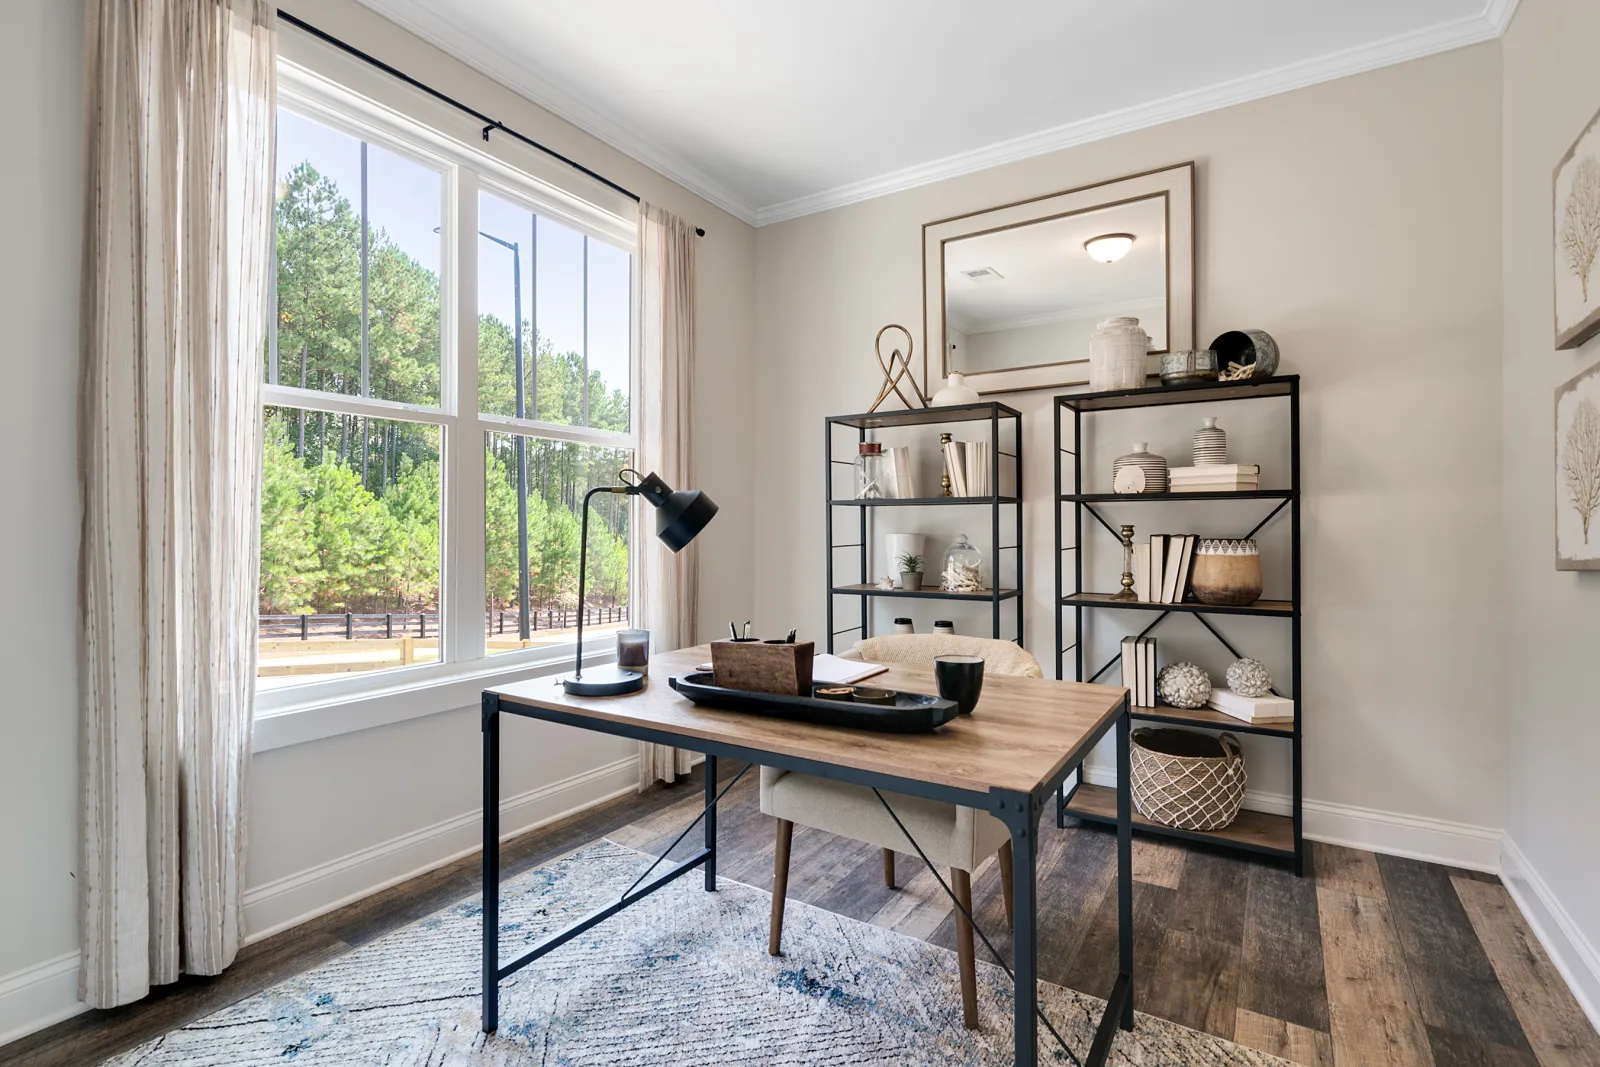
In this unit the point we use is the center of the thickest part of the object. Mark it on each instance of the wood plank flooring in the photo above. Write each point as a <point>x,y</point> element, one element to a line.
<point>1366,961</point>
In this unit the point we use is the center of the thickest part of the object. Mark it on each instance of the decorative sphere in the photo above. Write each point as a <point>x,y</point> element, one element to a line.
<point>1183,685</point>
<point>1249,678</point>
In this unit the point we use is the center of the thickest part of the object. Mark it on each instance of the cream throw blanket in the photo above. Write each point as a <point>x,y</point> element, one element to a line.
<point>919,650</point>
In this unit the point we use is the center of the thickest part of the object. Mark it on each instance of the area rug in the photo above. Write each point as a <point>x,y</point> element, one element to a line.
<point>682,977</point>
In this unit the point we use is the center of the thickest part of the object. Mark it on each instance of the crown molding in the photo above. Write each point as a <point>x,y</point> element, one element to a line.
<point>1488,24</point>
<point>421,20</point>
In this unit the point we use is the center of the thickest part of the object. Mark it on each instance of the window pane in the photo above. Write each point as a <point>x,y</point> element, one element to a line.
<point>610,326</point>
<point>320,271</point>
<point>349,546</point>
<point>505,295</point>
<point>558,475</point>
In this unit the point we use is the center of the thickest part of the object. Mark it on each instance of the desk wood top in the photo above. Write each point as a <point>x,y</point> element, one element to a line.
<point>1022,733</point>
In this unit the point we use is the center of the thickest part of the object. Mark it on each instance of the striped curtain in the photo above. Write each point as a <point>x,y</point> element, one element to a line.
<point>177,252</point>
<point>667,579</point>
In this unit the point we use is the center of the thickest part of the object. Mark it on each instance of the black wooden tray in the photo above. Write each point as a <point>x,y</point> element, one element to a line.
<point>910,713</point>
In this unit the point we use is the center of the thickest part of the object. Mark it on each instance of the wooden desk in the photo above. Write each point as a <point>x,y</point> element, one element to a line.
<point>1007,758</point>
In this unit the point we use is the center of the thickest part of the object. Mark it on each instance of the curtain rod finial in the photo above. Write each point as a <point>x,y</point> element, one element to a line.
<point>698,232</point>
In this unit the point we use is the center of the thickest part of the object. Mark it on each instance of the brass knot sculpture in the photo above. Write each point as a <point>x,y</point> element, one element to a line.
<point>895,368</point>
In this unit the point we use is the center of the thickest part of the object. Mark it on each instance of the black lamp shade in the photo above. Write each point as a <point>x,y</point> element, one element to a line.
<point>680,513</point>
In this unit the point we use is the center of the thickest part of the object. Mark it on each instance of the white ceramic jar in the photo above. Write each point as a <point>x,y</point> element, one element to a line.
<point>1117,350</point>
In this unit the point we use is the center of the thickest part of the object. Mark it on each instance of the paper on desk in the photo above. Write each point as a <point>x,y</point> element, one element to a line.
<point>832,670</point>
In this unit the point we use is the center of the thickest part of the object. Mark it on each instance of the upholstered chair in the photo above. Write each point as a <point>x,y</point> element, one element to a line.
<point>953,836</point>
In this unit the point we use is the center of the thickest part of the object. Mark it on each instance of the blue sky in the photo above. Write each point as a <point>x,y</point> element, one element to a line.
<point>406,199</point>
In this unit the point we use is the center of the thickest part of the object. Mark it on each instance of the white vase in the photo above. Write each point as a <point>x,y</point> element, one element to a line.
<point>955,391</point>
<point>1117,352</point>
<point>904,544</point>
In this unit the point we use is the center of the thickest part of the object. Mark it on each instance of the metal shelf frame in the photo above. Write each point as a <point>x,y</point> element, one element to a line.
<point>864,425</point>
<point>1078,600</point>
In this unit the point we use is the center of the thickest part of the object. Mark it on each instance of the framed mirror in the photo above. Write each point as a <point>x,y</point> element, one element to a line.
<point>1011,295</point>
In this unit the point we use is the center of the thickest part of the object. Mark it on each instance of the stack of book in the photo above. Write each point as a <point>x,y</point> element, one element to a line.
<point>1161,567</point>
<point>1217,478</point>
<point>897,472</point>
<point>1139,670</point>
<point>968,464</point>
<point>1270,708</point>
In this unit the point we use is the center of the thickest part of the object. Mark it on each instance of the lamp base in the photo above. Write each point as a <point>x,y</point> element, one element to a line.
<point>603,681</point>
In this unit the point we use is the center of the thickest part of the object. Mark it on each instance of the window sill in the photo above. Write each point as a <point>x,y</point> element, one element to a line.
<point>323,715</point>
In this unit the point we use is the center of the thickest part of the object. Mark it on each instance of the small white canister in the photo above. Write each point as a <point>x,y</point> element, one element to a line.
<point>1117,351</point>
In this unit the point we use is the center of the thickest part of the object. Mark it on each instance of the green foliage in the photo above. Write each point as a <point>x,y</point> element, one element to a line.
<point>909,564</point>
<point>350,506</point>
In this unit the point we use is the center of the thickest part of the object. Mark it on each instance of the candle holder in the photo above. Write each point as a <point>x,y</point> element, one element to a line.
<point>1127,566</point>
<point>944,471</point>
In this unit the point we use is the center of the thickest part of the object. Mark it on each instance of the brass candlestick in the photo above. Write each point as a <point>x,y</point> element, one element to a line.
<point>944,472</point>
<point>1127,566</point>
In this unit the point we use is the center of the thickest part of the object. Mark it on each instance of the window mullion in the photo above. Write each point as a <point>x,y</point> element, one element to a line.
<point>464,589</point>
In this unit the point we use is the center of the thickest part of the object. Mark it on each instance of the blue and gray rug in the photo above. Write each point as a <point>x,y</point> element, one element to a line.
<point>682,977</point>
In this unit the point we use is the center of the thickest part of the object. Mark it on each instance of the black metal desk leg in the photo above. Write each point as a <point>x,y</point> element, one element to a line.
<point>1025,934</point>
<point>711,823</point>
<point>491,862</point>
<point>1125,862</point>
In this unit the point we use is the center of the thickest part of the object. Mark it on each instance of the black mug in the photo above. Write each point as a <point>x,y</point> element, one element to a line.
<point>960,679</point>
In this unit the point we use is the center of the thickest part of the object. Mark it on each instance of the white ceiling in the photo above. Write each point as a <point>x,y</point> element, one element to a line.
<point>777,109</point>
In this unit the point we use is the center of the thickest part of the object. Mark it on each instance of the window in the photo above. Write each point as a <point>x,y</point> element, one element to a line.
<point>373,405</point>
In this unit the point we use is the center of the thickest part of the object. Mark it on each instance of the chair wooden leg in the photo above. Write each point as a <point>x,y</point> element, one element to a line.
<point>961,885</point>
<point>780,885</point>
<point>888,867</point>
<point>1004,860</point>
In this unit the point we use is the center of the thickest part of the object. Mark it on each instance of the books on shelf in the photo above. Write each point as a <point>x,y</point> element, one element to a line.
<point>1267,709</point>
<point>1161,567</point>
<point>968,464</point>
<point>1139,670</point>
<point>1220,478</point>
<point>897,461</point>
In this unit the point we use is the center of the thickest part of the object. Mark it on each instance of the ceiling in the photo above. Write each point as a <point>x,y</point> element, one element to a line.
<point>1045,274</point>
<point>774,110</point>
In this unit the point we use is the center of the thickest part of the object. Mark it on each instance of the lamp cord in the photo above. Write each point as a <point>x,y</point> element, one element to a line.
<point>975,927</point>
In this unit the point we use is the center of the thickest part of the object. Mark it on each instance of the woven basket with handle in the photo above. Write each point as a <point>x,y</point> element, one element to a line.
<point>1184,779</point>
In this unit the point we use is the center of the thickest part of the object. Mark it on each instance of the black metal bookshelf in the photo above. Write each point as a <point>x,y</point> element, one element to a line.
<point>996,415</point>
<point>1279,836</point>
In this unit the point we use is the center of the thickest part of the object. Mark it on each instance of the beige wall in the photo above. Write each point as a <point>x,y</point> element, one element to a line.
<point>329,818</point>
<point>1352,220</point>
<point>1552,623</point>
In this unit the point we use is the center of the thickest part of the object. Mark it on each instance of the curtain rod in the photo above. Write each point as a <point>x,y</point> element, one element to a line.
<point>490,125</point>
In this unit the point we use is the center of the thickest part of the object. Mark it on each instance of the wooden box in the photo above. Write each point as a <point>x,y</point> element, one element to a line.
<point>763,666</point>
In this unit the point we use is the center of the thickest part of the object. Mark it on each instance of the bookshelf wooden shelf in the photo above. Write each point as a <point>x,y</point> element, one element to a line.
<point>1211,719</point>
<point>1253,831</point>
<point>1004,559</point>
<point>1272,835</point>
<point>1104,600</point>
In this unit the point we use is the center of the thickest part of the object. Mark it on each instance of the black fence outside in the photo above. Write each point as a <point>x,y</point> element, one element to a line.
<point>376,625</point>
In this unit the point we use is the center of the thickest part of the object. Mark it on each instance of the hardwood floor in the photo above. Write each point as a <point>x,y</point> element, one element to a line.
<point>1366,961</point>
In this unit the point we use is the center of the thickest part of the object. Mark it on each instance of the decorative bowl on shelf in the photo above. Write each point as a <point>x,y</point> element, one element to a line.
<point>1227,573</point>
<point>1188,367</point>
<point>1254,351</point>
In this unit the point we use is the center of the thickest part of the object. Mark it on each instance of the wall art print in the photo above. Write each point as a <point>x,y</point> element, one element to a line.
<point>1576,231</point>
<point>1578,473</point>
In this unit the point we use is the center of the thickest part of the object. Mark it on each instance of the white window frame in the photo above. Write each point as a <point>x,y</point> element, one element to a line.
<point>329,88</point>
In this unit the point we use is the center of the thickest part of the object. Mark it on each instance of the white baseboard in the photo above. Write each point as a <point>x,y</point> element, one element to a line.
<point>1455,844</point>
<point>289,901</point>
<point>47,993</point>
<point>39,996</point>
<point>1569,950</point>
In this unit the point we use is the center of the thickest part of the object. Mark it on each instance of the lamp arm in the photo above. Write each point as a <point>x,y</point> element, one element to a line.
<point>583,563</point>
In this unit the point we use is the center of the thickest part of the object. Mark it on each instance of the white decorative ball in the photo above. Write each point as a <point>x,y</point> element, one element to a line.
<point>1183,685</point>
<point>1249,678</point>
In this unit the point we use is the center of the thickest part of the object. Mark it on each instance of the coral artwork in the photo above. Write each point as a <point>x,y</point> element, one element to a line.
<point>1577,487</point>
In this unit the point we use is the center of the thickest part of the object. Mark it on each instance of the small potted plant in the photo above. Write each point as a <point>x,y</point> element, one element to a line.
<point>910,572</point>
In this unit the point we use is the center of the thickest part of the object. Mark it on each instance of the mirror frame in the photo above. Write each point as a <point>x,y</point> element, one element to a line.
<point>1175,184</point>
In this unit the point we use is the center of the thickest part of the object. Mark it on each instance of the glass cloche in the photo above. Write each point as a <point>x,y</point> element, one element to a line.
<point>963,567</point>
